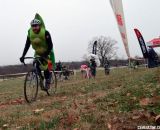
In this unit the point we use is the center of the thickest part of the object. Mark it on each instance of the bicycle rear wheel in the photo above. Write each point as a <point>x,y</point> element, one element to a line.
<point>53,85</point>
<point>31,86</point>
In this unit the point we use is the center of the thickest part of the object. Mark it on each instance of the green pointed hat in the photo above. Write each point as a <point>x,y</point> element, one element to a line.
<point>37,16</point>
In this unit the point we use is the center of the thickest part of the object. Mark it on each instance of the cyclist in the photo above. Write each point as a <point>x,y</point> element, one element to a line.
<point>41,42</point>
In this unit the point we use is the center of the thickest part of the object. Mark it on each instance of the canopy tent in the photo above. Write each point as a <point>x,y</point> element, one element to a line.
<point>154,43</point>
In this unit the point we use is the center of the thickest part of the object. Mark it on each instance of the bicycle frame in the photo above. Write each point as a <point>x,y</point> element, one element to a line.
<point>35,62</point>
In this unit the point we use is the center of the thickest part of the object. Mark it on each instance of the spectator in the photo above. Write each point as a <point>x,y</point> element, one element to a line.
<point>152,58</point>
<point>93,66</point>
<point>106,67</point>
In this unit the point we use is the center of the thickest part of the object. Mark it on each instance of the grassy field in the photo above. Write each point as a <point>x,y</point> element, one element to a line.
<point>121,101</point>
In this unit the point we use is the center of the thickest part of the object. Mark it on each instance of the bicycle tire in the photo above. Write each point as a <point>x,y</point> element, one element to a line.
<point>53,84</point>
<point>30,77</point>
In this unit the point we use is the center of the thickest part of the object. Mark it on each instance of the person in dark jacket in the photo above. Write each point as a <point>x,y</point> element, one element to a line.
<point>152,58</point>
<point>93,67</point>
<point>106,67</point>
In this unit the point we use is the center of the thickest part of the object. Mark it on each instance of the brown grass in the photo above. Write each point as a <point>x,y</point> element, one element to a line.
<point>111,102</point>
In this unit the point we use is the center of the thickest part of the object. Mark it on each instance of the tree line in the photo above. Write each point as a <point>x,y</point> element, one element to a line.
<point>12,69</point>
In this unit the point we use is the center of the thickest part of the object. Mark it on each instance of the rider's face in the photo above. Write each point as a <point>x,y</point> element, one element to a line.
<point>36,28</point>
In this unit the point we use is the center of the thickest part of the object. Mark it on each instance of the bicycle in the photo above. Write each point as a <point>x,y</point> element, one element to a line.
<point>33,80</point>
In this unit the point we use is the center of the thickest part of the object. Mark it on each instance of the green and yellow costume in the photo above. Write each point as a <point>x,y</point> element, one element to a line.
<point>39,44</point>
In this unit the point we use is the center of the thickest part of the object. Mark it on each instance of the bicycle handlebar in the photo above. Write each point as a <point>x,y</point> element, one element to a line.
<point>29,57</point>
<point>32,58</point>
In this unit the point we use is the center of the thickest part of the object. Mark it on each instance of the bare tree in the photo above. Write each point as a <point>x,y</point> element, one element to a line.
<point>105,47</point>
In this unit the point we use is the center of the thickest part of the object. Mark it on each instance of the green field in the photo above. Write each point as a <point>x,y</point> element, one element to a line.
<point>125,99</point>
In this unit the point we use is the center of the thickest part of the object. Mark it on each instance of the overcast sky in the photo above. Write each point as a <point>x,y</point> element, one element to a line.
<point>72,24</point>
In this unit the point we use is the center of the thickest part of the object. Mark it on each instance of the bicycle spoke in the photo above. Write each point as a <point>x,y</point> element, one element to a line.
<point>31,86</point>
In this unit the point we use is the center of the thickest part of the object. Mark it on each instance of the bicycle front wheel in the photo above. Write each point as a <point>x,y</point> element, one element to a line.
<point>53,85</point>
<point>31,86</point>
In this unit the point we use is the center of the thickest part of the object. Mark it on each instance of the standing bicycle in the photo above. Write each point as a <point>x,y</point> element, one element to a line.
<point>35,79</point>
